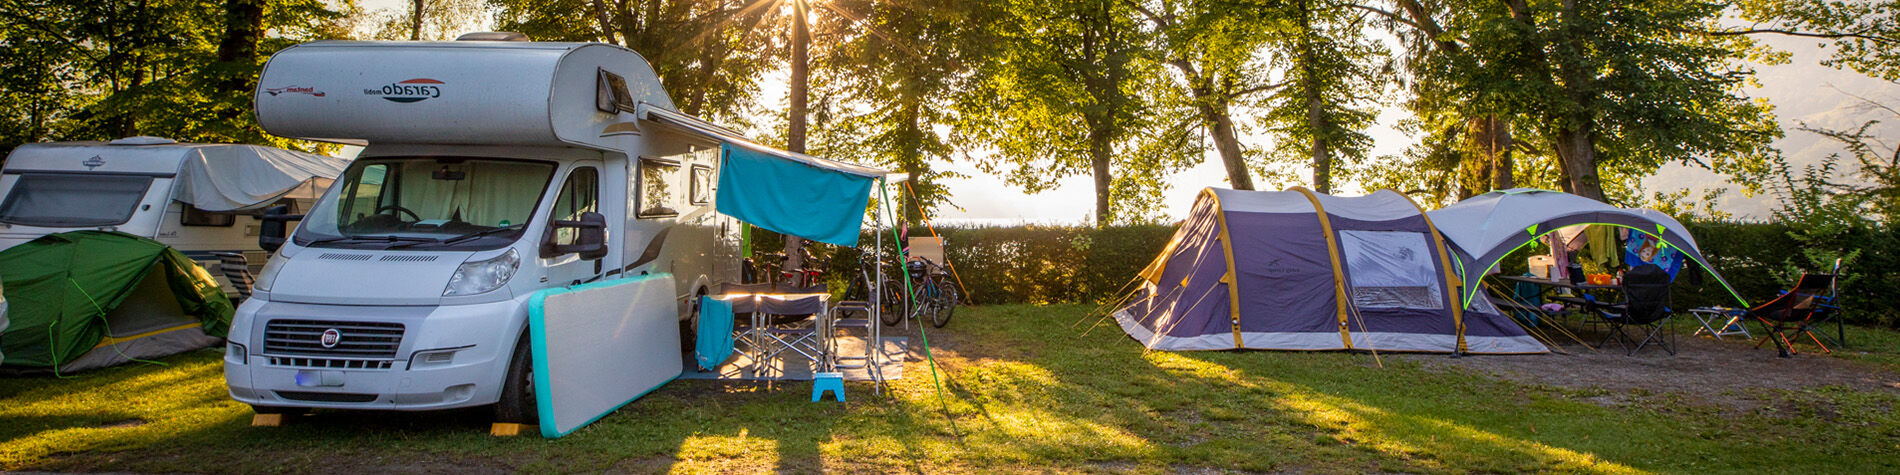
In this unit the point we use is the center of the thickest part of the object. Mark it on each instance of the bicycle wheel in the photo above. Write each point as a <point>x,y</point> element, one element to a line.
<point>927,307</point>
<point>946,304</point>
<point>893,302</point>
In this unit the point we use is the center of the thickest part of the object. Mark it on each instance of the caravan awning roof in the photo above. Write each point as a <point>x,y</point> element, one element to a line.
<point>725,135</point>
<point>789,193</point>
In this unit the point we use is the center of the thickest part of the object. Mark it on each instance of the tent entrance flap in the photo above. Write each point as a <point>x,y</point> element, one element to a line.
<point>792,197</point>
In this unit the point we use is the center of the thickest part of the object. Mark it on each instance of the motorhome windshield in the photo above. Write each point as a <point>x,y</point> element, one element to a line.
<point>68,200</point>
<point>427,203</point>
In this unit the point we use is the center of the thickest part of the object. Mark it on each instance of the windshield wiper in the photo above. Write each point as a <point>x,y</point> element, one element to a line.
<point>462,237</point>
<point>386,238</point>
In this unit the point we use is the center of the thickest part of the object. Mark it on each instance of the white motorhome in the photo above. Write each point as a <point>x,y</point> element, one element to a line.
<point>197,198</point>
<point>493,169</point>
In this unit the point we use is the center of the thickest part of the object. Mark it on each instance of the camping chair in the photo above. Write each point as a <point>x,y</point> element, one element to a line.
<point>768,335</point>
<point>237,270</point>
<point>1730,319</point>
<point>1645,307</point>
<point>1796,312</point>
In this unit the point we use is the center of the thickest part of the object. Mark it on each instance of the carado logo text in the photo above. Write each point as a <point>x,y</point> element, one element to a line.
<point>413,90</point>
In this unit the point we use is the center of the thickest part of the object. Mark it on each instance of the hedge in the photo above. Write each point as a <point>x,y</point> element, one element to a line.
<point>1050,264</point>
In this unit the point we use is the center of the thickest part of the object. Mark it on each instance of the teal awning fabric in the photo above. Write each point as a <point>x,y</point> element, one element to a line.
<point>797,195</point>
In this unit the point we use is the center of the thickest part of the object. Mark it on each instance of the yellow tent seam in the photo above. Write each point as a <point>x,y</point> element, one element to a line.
<point>1332,252</point>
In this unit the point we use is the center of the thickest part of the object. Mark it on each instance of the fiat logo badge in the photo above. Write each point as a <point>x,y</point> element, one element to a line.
<point>331,337</point>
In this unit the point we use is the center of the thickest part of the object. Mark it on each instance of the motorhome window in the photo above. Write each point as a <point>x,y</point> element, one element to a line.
<point>657,197</point>
<point>198,217</point>
<point>429,202</point>
<point>702,184</point>
<point>73,200</point>
<point>579,195</point>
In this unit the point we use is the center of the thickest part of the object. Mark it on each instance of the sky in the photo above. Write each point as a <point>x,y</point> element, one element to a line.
<point>1802,91</point>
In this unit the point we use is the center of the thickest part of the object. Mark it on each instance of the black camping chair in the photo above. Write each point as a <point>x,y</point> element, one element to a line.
<point>1797,312</point>
<point>1645,307</point>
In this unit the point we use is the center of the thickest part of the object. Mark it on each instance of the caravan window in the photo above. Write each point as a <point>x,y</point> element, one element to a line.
<point>702,184</point>
<point>429,203</point>
<point>1392,269</point>
<point>658,199</point>
<point>73,200</point>
<point>579,195</point>
<point>198,217</point>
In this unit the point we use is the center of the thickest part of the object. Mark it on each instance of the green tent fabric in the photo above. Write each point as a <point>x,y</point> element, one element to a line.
<point>62,287</point>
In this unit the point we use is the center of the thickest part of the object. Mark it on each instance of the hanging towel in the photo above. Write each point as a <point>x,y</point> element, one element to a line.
<point>714,343</point>
<point>1602,247</point>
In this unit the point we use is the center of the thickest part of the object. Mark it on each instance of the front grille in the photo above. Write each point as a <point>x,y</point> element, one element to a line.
<point>325,397</point>
<point>330,363</point>
<point>364,340</point>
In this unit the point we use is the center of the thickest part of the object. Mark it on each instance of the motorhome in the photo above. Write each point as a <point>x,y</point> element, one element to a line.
<point>492,170</point>
<point>197,198</point>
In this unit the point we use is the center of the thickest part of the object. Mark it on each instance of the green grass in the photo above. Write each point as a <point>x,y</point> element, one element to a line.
<point>1025,390</point>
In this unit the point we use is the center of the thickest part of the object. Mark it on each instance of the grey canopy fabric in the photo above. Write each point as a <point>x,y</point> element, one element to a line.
<point>243,177</point>
<point>1486,228</point>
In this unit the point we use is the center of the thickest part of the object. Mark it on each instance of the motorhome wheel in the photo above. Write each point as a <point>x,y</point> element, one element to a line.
<point>517,391</point>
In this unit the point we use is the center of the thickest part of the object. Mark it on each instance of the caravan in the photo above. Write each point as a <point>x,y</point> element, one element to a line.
<point>493,170</point>
<point>197,198</point>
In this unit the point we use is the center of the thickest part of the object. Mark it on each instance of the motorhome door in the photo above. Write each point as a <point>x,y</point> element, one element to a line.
<point>579,193</point>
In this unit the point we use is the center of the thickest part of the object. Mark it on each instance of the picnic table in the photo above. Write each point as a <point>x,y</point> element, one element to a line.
<point>1550,285</point>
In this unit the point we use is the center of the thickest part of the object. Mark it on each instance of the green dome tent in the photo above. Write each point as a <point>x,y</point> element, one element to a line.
<point>90,299</point>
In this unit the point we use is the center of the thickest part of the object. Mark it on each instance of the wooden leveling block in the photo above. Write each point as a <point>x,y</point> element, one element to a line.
<point>267,420</point>
<point>506,429</point>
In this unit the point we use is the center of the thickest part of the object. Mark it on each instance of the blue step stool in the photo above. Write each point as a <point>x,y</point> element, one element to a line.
<point>822,382</point>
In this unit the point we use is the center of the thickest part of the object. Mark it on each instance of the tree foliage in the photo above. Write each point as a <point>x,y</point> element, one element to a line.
<point>889,71</point>
<point>184,70</point>
<point>1604,92</point>
<point>1070,88</point>
<point>710,54</point>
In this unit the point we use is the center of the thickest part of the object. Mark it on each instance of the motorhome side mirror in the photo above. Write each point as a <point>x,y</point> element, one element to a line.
<point>590,237</point>
<point>274,227</point>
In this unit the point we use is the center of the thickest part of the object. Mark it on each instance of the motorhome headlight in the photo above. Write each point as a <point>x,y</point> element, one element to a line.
<point>268,276</point>
<point>476,277</point>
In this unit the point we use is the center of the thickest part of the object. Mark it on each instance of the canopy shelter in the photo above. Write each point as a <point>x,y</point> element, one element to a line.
<point>786,192</point>
<point>1486,228</point>
<point>88,299</point>
<point>1298,270</point>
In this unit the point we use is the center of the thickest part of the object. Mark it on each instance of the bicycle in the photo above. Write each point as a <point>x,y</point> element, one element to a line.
<point>934,297</point>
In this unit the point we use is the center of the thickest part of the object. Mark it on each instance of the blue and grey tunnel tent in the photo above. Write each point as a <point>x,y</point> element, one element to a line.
<point>1298,270</point>
<point>1486,228</point>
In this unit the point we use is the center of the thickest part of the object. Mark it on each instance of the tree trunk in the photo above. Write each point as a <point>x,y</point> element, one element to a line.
<point>1220,125</point>
<point>1576,149</point>
<point>1099,155</point>
<point>795,133</point>
<point>606,22</point>
<point>909,153</point>
<point>1489,138</point>
<point>415,20</point>
<point>1503,167</point>
<point>243,26</point>
<point>1321,151</point>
